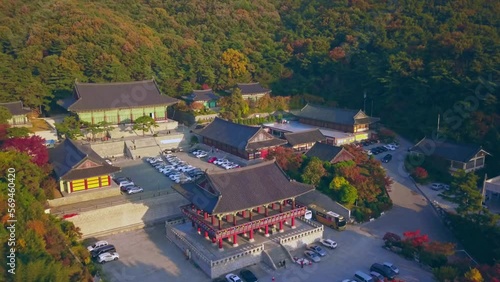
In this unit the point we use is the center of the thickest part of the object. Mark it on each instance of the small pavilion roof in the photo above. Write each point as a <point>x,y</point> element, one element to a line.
<point>16,108</point>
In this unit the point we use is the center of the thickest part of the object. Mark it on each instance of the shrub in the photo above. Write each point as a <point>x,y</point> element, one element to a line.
<point>433,260</point>
<point>420,173</point>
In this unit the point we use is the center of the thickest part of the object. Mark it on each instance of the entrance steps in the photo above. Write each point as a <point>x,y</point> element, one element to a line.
<point>275,254</point>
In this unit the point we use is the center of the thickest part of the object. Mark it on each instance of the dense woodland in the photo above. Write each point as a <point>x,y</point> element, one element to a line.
<point>412,59</point>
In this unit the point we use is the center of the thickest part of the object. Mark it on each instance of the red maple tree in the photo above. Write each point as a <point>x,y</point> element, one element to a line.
<point>415,238</point>
<point>34,146</point>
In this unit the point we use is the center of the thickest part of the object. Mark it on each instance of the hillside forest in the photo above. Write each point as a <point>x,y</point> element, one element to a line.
<point>407,62</point>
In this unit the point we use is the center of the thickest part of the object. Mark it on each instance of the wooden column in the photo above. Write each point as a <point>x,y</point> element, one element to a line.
<point>212,218</point>
<point>251,236</point>
<point>281,226</point>
<point>220,244</point>
<point>293,222</point>
<point>234,219</point>
<point>266,211</point>
<point>205,215</point>
<point>250,215</point>
<point>267,231</point>
<point>235,240</point>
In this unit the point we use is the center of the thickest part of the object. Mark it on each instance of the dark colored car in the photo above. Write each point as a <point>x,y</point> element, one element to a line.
<point>248,276</point>
<point>383,270</point>
<point>387,158</point>
<point>117,180</point>
<point>104,249</point>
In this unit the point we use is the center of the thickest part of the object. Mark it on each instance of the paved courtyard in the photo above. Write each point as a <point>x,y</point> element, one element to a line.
<point>147,255</point>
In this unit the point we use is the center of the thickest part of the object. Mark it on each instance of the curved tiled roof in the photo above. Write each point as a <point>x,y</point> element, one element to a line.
<point>202,95</point>
<point>16,108</point>
<point>94,96</point>
<point>447,150</point>
<point>302,137</point>
<point>243,188</point>
<point>252,88</point>
<point>335,115</point>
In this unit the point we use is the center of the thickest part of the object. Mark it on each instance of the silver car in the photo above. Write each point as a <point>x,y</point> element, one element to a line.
<point>312,256</point>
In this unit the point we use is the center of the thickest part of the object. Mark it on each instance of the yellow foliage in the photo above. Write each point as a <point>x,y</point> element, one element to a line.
<point>236,63</point>
<point>473,275</point>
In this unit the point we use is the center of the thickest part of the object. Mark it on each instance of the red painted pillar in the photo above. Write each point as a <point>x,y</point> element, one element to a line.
<point>205,215</point>
<point>235,240</point>
<point>220,244</point>
<point>227,217</point>
<point>258,209</point>
<point>213,219</point>
<point>234,220</point>
<point>250,215</point>
<point>109,180</point>
<point>281,226</point>
<point>267,231</point>
<point>214,241</point>
<point>293,222</point>
<point>206,234</point>
<point>199,230</point>
<point>71,186</point>
<point>86,184</point>
<point>243,213</point>
<point>273,206</point>
<point>251,236</point>
<point>220,223</point>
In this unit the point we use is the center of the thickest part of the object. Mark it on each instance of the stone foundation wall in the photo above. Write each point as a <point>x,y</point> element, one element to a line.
<point>136,211</point>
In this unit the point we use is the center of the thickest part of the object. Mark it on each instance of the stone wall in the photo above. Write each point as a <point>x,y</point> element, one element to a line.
<point>89,195</point>
<point>304,238</point>
<point>109,148</point>
<point>136,211</point>
<point>231,263</point>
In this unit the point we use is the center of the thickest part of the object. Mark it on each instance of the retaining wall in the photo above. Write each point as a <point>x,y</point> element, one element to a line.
<point>137,211</point>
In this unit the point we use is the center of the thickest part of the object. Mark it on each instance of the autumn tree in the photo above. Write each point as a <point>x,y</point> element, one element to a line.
<point>144,123</point>
<point>235,62</point>
<point>286,158</point>
<point>313,171</point>
<point>33,146</point>
<point>473,275</point>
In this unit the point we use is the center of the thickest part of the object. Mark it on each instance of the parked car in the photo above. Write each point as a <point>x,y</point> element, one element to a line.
<point>220,161</point>
<point>383,270</point>
<point>108,161</point>
<point>377,277</point>
<point>392,267</point>
<point>312,256</point>
<point>212,160</point>
<point>125,188</point>
<point>329,243</point>
<point>317,249</point>
<point>101,250</point>
<point>125,183</point>
<point>134,190</point>
<point>248,276</point>
<point>387,158</point>
<point>436,186</point>
<point>233,278</point>
<point>117,180</point>
<point>105,257</point>
<point>97,244</point>
<point>202,155</point>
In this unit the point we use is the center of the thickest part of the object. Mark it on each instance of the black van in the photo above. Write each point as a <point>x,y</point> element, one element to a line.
<point>387,158</point>
<point>104,249</point>
<point>384,270</point>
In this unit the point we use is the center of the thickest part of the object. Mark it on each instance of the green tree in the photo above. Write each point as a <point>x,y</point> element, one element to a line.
<point>234,106</point>
<point>70,127</point>
<point>445,273</point>
<point>313,171</point>
<point>18,132</point>
<point>466,193</point>
<point>5,114</point>
<point>348,194</point>
<point>144,123</point>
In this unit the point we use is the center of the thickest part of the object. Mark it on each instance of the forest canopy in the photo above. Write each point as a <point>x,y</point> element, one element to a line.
<point>413,60</point>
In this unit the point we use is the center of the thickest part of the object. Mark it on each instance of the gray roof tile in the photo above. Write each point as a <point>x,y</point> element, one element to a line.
<point>94,96</point>
<point>16,108</point>
<point>335,115</point>
<point>252,88</point>
<point>447,150</point>
<point>303,137</point>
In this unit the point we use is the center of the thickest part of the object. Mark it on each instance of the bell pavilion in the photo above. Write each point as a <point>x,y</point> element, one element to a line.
<point>228,204</point>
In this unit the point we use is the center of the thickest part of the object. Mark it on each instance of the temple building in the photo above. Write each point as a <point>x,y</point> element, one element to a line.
<point>228,204</point>
<point>248,142</point>
<point>252,91</point>
<point>79,168</point>
<point>118,102</point>
<point>19,113</point>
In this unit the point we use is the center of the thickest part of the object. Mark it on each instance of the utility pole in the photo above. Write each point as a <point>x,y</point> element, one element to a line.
<point>364,101</point>
<point>437,133</point>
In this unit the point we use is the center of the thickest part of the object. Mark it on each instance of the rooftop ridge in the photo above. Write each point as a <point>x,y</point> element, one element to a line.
<point>302,132</point>
<point>114,83</point>
<point>234,171</point>
<point>330,108</point>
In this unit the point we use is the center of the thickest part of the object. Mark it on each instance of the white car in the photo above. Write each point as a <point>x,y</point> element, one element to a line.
<point>436,186</point>
<point>96,245</point>
<point>220,161</point>
<point>392,267</point>
<point>232,278</point>
<point>329,243</point>
<point>125,183</point>
<point>201,155</point>
<point>105,257</point>
<point>227,165</point>
<point>134,190</point>
<point>390,147</point>
<point>312,256</point>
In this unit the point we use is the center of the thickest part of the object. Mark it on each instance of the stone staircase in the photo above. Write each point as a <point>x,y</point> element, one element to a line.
<point>276,253</point>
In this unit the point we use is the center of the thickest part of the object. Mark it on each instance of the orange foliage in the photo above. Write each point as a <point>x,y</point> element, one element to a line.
<point>436,247</point>
<point>37,225</point>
